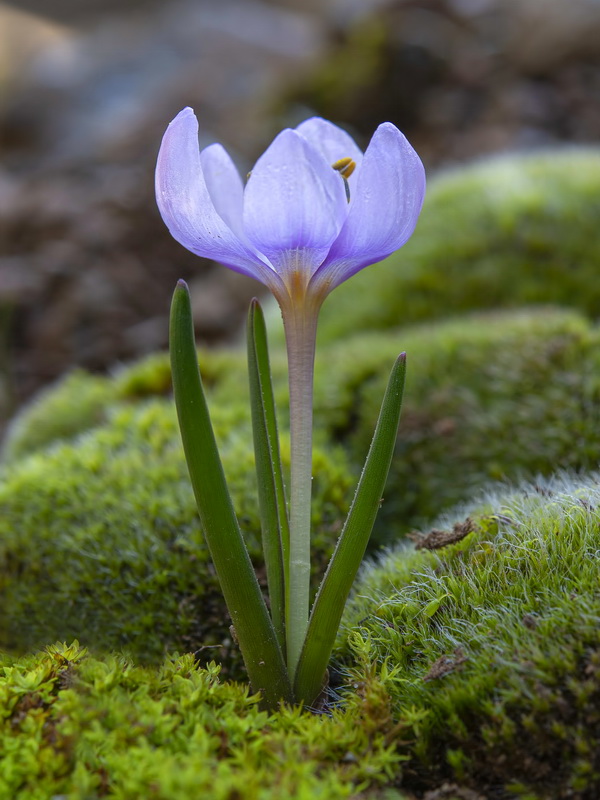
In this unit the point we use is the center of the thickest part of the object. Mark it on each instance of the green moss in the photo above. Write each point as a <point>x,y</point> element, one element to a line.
<point>80,401</point>
<point>475,666</point>
<point>84,728</point>
<point>490,648</point>
<point>75,403</point>
<point>100,539</point>
<point>99,535</point>
<point>489,397</point>
<point>148,377</point>
<point>503,395</point>
<point>502,233</point>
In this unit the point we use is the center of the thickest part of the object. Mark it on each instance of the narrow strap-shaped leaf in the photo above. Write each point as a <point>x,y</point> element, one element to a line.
<point>253,627</point>
<point>350,549</point>
<point>271,490</point>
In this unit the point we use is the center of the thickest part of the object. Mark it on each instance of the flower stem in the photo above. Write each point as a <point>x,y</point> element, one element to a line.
<point>300,324</point>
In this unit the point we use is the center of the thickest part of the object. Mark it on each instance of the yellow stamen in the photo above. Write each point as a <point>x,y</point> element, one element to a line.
<point>345,166</point>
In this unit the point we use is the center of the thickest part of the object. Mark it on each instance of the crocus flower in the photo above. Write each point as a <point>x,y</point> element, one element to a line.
<point>314,211</point>
<point>298,226</point>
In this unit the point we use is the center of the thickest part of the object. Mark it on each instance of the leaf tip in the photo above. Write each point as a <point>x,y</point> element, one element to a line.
<point>255,313</point>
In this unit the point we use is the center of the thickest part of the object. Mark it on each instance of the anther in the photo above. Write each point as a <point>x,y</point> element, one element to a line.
<point>345,166</point>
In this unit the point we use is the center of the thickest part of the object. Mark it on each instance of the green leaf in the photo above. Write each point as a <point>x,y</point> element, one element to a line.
<point>345,561</point>
<point>253,627</point>
<point>271,490</point>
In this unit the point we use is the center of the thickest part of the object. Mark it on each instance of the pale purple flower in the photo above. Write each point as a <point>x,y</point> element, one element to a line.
<point>303,223</point>
<point>291,226</point>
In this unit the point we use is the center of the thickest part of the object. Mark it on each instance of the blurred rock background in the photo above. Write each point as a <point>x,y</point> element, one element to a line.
<point>87,88</point>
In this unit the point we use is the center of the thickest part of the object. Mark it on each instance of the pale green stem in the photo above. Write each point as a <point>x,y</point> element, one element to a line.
<point>300,321</point>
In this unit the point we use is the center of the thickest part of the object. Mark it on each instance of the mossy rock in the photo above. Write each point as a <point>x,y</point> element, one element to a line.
<point>489,648</point>
<point>503,395</point>
<point>79,401</point>
<point>488,397</point>
<point>100,538</point>
<point>76,726</point>
<point>501,233</point>
<point>99,532</point>
<point>71,405</point>
<point>470,670</point>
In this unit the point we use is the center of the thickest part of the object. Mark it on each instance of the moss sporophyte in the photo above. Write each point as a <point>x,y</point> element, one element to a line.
<point>314,211</point>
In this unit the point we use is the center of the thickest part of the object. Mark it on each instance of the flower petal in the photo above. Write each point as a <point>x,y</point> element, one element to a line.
<point>224,186</point>
<point>186,206</point>
<point>386,205</point>
<point>293,201</point>
<point>333,143</point>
